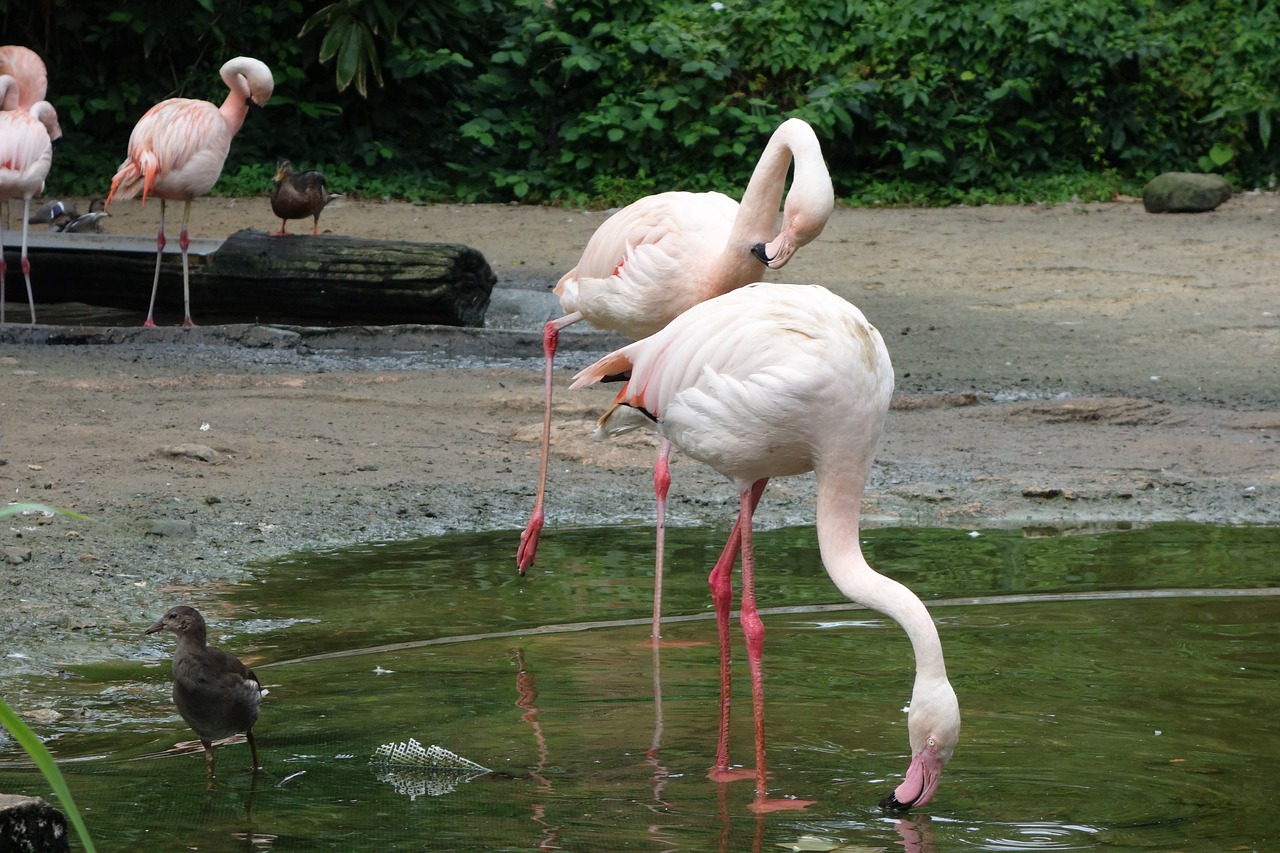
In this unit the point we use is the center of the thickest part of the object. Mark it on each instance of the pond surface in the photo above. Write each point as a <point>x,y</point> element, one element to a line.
<point>1119,692</point>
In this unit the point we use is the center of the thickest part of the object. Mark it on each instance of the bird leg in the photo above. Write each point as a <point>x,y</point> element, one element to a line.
<point>315,226</point>
<point>753,633</point>
<point>155,281</point>
<point>208,756</point>
<point>185,242</point>
<point>661,485</point>
<point>253,748</point>
<point>533,530</point>
<point>26,264</point>
<point>722,596</point>
<point>4,268</point>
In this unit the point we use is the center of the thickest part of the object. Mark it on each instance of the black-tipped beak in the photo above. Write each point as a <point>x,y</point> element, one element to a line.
<point>761,254</point>
<point>891,802</point>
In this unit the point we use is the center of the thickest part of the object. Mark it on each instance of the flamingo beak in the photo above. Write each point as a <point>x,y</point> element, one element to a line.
<point>775,255</point>
<point>920,784</point>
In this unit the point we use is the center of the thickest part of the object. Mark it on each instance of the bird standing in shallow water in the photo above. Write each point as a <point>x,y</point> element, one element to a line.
<point>773,380</point>
<point>215,693</point>
<point>177,149</point>
<point>26,153</point>
<point>298,195</point>
<point>664,253</point>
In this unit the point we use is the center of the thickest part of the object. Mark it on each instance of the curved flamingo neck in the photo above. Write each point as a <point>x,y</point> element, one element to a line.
<point>838,514</point>
<point>236,107</point>
<point>9,92</point>
<point>757,216</point>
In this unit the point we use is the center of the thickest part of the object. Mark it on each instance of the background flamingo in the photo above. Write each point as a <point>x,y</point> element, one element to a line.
<point>664,253</point>
<point>177,149</point>
<point>26,153</point>
<point>25,66</point>
<point>773,380</point>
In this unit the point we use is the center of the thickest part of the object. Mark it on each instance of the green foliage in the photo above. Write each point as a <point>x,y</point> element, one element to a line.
<point>589,101</point>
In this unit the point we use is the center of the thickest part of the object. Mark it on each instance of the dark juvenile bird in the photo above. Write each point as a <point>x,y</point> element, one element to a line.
<point>215,693</point>
<point>298,195</point>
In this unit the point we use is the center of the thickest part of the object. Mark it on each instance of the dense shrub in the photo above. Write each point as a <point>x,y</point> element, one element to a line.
<point>602,100</point>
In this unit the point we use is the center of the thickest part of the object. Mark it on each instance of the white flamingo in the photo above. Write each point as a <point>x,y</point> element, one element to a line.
<point>773,380</point>
<point>26,153</point>
<point>177,149</point>
<point>665,253</point>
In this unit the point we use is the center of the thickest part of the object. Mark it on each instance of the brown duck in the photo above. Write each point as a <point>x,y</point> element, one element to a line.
<point>298,195</point>
<point>215,693</point>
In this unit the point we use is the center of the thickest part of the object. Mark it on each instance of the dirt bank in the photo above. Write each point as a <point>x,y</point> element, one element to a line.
<point>1056,365</point>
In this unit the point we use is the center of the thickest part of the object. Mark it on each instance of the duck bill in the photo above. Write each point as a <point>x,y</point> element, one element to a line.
<point>921,783</point>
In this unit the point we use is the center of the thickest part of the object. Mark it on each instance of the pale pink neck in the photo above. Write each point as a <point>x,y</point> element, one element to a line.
<point>236,106</point>
<point>839,509</point>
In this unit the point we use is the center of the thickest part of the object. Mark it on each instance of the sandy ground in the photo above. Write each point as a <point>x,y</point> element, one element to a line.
<point>1057,366</point>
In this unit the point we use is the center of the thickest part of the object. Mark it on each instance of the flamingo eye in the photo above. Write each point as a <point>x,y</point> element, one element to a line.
<point>933,744</point>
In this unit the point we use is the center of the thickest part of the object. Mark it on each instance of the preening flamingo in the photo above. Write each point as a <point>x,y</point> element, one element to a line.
<point>773,380</point>
<point>25,66</point>
<point>664,253</point>
<point>177,149</point>
<point>26,153</point>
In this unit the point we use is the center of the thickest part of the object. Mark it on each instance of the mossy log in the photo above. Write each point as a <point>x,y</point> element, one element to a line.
<point>253,277</point>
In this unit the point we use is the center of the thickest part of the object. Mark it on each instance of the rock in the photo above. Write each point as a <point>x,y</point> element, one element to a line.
<point>168,527</point>
<point>1185,192</point>
<point>30,825</point>
<point>192,451</point>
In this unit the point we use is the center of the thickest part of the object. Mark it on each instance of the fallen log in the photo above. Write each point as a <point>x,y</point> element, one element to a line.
<point>251,277</point>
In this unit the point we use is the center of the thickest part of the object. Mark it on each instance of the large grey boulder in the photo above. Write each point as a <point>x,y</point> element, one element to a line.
<point>1185,192</point>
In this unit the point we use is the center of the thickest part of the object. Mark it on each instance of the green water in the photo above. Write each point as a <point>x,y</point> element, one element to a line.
<point>1107,705</point>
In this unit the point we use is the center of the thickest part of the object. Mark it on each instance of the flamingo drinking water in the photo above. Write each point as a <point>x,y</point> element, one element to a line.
<point>767,381</point>
<point>177,149</point>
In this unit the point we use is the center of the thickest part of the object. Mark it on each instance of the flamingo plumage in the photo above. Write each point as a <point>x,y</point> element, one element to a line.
<point>775,380</point>
<point>177,150</point>
<point>26,153</point>
<point>26,67</point>
<point>665,253</point>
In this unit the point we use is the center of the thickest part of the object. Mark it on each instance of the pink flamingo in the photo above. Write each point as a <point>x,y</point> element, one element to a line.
<point>25,66</point>
<point>26,153</point>
<point>664,253</point>
<point>177,149</point>
<point>773,380</point>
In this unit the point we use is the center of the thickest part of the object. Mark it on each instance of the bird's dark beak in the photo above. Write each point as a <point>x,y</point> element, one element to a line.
<point>55,143</point>
<point>760,253</point>
<point>159,626</point>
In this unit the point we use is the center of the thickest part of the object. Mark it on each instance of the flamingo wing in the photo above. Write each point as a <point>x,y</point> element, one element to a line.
<point>26,153</point>
<point>649,262</point>
<point>176,151</point>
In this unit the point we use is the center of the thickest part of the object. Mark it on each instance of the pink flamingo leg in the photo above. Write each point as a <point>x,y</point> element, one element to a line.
<point>185,242</point>
<point>26,264</point>
<point>155,280</point>
<point>753,632</point>
<point>533,530</point>
<point>722,597</point>
<point>4,267</point>
<point>661,485</point>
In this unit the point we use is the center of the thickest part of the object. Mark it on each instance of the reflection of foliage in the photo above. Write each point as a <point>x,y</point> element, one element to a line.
<point>26,738</point>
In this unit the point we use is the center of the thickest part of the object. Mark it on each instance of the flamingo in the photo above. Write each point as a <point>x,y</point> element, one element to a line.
<point>176,152</point>
<point>664,253</point>
<point>774,380</point>
<point>25,66</point>
<point>26,152</point>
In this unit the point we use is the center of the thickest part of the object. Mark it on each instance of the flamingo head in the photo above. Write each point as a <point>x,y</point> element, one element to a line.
<point>804,215</point>
<point>934,725</point>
